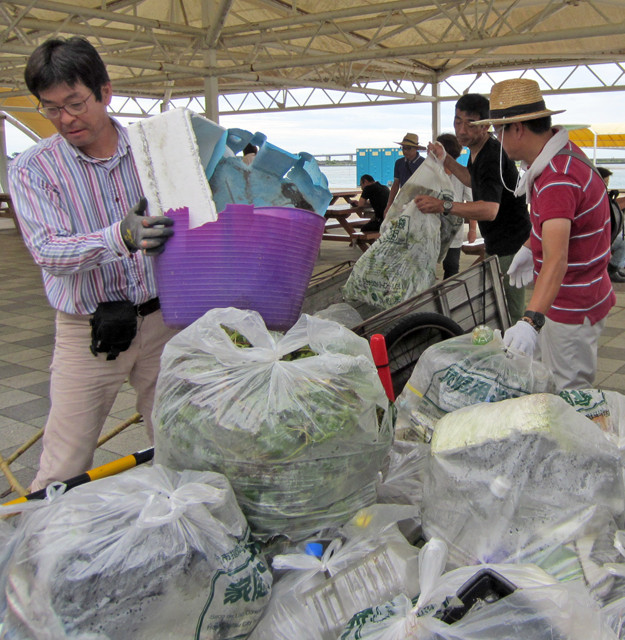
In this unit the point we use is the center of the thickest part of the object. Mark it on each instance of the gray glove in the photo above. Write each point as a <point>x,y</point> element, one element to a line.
<point>148,233</point>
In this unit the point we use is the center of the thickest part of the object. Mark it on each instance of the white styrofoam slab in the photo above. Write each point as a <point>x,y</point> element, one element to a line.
<point>171,162</point>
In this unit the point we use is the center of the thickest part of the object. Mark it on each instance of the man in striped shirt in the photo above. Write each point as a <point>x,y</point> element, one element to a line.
<point>569,247</point>
<point>78,198</point>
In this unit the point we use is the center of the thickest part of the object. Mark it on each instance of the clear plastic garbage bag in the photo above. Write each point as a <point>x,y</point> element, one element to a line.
<point>301,439</point>
<point>342,313</point>
<point>402,482</point>
<point>8,539</point>
<point>148,554</point>
<point>524,480</point>
<point>605,408</point>
<point>368,560</point>
<point>402,262</point>
<point>458,373</point>
<point>414,187</point>
<point>539,609</point>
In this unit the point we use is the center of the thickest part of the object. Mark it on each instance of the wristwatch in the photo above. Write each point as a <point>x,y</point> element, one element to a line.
<point>536,319</point>
<point>447,206</point>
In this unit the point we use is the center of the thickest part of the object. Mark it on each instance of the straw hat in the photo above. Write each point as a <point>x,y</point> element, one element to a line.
<point>411,140</point>
<point>516,101</point>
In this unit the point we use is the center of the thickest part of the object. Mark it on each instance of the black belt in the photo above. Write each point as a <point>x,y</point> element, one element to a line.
<point>146,308</point>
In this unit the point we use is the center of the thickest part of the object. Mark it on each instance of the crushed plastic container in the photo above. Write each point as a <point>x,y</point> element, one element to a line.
<point>380,576</point>
<point>250,258</point>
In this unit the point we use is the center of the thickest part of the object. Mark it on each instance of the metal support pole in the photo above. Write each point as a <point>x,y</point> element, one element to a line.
<point>436,112</point>
<point>211,88</point>
<point>4,177</point>
<point>214,14</point>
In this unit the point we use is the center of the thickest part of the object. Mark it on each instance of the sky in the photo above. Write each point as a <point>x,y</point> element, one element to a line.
<point>334,131</point>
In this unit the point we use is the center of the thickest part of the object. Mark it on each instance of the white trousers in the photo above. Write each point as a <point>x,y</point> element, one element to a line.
<point>570,351</point>
<point>83,389</point>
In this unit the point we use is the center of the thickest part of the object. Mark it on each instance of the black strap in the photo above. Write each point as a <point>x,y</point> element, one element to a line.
<point>584,159</point>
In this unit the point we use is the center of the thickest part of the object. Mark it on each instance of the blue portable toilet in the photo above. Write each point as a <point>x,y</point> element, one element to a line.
<point>463,158</point>
<point>378,163</point>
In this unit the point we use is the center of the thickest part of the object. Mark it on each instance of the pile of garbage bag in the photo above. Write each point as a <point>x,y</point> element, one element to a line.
<point>299,423</point>
<point>151,553</point>
<point>259,519</point>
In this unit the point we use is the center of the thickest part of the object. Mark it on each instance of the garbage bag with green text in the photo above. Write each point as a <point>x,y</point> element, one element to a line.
<point>148,554</point>
<point>536,607</point>
<point>401,263</point>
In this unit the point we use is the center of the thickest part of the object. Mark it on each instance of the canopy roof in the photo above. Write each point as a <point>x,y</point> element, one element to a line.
<point>351,51</point>
<point>611,136</point>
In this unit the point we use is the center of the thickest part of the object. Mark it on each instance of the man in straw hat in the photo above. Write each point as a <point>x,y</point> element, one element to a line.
<point>569,247</point>
<point>406,166</point>
<point>502,217</point>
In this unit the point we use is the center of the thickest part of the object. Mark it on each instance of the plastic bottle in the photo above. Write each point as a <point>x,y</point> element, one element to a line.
<point>482,334</point>
<point>380,576</point>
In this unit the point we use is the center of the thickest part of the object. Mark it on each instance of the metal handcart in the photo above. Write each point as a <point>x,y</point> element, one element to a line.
<point>447,309</point>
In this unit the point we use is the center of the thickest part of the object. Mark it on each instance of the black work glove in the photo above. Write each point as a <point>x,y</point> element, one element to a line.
<point>146,233</point>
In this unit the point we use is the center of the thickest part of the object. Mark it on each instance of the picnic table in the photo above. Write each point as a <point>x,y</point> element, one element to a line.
<point>349,218</point>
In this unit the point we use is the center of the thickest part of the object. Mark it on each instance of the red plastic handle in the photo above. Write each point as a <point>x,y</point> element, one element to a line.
<point>380,357</point>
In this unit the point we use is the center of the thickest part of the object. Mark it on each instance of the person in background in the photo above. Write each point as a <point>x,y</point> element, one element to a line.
<point>376,195</point>
<point>406,166</point>
<point>462,193</point>
<point>249,153</point>
<point>569,247</point>
<point>616,266</point>
<point>79,202</point>
<point>502,217</point>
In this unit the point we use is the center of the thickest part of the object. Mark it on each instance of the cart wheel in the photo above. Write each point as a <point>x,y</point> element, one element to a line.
<point>410,337</point>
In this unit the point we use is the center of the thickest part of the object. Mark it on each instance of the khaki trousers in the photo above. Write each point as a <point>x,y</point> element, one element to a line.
<point>83,389</point>
<point>570,351</point>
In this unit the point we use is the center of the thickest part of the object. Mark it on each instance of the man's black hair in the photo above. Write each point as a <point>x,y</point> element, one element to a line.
<point>451,144</point>
<point>249,148</point>
<point>603,172</point>
<point>58,61</point>
<point>474,103</point>
<point>540,125</point>
<point>367,177</point>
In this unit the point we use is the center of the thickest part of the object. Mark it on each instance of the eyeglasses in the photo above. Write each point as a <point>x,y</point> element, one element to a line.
<point>406,148</point>
<point>73,109</point>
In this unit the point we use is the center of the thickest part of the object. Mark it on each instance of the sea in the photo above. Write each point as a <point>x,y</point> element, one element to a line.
<point>345,176</point>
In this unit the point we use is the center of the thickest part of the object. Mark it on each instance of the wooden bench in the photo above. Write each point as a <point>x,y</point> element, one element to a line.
<point>364,239</point>
<point>7,210</point>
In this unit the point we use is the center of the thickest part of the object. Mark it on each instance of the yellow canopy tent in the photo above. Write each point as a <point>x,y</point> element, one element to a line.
<point>30,119</point>
<point>595,136</point>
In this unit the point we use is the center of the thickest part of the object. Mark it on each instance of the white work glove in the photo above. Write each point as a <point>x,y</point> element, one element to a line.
<point>521,271</point>
<point>521,337</point>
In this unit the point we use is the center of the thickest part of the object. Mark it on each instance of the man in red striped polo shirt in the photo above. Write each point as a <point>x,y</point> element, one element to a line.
<point>569,248</point>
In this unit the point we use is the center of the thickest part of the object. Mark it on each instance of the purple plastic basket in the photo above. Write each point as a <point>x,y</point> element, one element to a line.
<point>259,259</point>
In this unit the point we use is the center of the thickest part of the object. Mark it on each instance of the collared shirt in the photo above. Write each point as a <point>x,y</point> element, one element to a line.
<point>569,189</point>
<point>405,168</point>
<point>70,206</point>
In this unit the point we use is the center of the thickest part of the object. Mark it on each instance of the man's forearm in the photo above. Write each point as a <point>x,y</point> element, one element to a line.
<point>480,210</point>
<point>547,285</point>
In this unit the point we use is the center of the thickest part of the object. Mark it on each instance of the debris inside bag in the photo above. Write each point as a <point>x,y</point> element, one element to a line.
<point>299,422</point>
<point>148,554</point>
<point>525,480</point>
